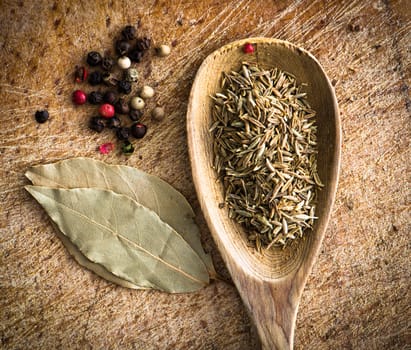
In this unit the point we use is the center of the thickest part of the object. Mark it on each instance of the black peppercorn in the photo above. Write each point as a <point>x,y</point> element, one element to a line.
<point>138,130</point>
<point>94,58</point>
<point>128,32</point>
<point>123,133</point>
<point>135,55</point>
<point>143,44</point>
<point>122,47</point>
<point>97,124</point>
<point>95,78</point>
<point>135,114</point>
<point>110,97</point>
<point>122,107</point>
<point>124,86</point>
<point>107,63</point>
<point>95,97</point>
<point>127,148</point>
<point>41,116</point>
<point>113,123</point>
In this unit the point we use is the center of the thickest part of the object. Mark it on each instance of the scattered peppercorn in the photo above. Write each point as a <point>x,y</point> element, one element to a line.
<point>95,78</point>
<point>137,103</point>
<point>79,97</point>
<point>96,124</point>
<point>124,62</point>
<point>135,114</point>
<point>107,63</point>
<point>127,148</point>
<point>122,47</point>
<point>123,133</point>
<point>163,50</point>
<point>128,32</point>
<point>113,123</point>
<point>143,44</point>
<point>147,92</point>
<point>41,116</point>
<point>124,87</point>
<point>138,130</point>
<point>95,97</point>
<point>106,110</point>
<point>110,97</point>
<point>158,113</point>
<point>248,48</point>
<point>106,148</point>
<point>135,55</point>
<point>80,75</point>
<point>110,79</point>
<point>122,107</point>
<point>94,58</point>
<point>131,75</point>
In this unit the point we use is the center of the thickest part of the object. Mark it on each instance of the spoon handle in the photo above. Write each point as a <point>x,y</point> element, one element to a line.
<point>273,307</point>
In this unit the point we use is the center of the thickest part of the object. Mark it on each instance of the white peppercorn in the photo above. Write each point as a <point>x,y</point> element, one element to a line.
<point>124,62</point>
<point>147,92</point>
<point>163,50</point>
<point>158,113</point>
<point>137,103</point>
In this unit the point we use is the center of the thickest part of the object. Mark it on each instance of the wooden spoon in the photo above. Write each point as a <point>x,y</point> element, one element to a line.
<point>270,283</point>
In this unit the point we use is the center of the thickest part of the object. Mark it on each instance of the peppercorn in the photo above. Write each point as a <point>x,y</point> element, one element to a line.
<point>107,63</point>
<point>79,97</point>
<point>128,32</point>
<point>80,74</point>
<point>96,124</point>
<point>137,103</point>
<point>95,97</point>
<point>158,113</point>
<point>138,130</point>
<point>135,114</point>
<point>127,148</point>
<point>106,110</point>
<point>113,123</point>
<point>94,58</point>
<point>110,79</point>
<point>95,78</point>
<point>136,55</point>
<point>147,92</point>
<point>121,106</point>
<point>106,148</point>
<point>41,116</point>
<point>248,48</point>
<point>122,47</point>
<point>163,50</point>
<point>123,133</point>
<point>124,62</point>
<point>110,97</point>
<point>124,87</point>
<point>143,44</point>
<point>131,75</point>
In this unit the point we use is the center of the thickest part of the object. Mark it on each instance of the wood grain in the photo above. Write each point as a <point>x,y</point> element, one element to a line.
<point>358,293</point>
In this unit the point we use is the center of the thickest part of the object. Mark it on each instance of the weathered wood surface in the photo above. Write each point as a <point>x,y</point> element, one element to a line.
<point>358,294</point>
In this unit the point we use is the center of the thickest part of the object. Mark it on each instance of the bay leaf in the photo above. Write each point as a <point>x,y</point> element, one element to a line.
<point>148,190</point>
<point>126,238</point>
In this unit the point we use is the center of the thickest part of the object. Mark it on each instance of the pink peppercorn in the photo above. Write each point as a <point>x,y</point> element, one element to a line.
<point>106,148</point>
<point>248,48</point>
<point>106,110</point>
<point>79,97</point>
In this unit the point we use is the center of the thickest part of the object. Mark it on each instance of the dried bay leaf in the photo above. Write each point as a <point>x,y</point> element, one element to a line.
<point>148,190</point>
<point>126,238</point>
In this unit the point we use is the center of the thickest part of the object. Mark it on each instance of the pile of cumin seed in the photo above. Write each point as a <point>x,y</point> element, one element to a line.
<point>265,154</point>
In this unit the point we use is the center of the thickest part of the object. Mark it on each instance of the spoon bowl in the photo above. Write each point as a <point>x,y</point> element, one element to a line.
<point>270,282</point>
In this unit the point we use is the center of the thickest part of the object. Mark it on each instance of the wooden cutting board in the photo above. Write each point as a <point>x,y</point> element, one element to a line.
<point>358,295</point>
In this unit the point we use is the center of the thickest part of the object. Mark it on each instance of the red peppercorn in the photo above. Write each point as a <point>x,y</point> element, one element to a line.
<point>106,110</point>
<point>106,148</point>
<point>79,97</point>
<point>248,48</point>
<point>80,75</point>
